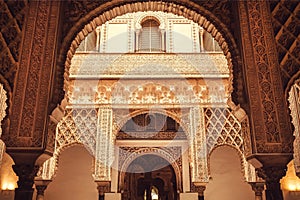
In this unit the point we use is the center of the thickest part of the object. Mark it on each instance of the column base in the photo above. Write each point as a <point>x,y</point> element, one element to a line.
<point>112,196</point>
<point>189,196</point>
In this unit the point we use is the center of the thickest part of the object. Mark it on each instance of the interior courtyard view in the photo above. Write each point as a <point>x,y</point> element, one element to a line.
<point>149,100</point>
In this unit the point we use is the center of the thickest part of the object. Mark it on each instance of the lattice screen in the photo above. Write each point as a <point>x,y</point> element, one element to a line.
<point>78,126</point>
<point>222,128</point>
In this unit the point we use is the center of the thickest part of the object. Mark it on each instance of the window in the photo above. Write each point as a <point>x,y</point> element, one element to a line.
<point>209,43</point>
<point>89,43</point>
<point>150,36</point>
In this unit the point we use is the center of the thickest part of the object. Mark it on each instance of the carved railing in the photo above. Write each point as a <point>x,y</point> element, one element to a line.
<point>158,65</point>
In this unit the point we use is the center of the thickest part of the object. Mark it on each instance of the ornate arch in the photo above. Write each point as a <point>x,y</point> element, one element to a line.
<point>109,11</point>
<point>294,105</point>
<point>151,15</point>
<point>49,168</point>
<point>175,114</point>
<point>248,170</point>
<point>154,151</point>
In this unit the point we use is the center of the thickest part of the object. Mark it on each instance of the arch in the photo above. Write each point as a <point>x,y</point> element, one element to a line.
<point>174,115</point>
<point>294,109</point>
<point>248,175</point>
<point>223,37</point>
<point>152,151</point>
<point>151,15</point>
<point>293,80</point>
<point>5,102</point>
<point>50,166</point>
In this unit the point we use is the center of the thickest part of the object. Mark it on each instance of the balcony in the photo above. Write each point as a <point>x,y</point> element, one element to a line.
<point>148,65</point>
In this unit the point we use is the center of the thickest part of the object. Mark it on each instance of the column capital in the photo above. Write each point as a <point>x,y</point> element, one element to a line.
<point>271,174</point>
<point>103,187</point>
<point>199,188</point>
<point>26,174</point>
<point>258,187</point>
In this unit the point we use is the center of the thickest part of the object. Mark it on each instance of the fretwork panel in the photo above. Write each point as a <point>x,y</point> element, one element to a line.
<point>105,146</point>
<point>78,126</point>
<point>222,127</point>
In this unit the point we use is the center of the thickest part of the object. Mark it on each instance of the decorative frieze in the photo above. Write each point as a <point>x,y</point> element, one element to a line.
<point>159,93</point>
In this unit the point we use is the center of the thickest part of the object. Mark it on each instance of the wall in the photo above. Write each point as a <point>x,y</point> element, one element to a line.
<point>227,181</point>
<point>74,177</point>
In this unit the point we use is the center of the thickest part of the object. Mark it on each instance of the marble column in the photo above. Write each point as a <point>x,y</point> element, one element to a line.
<point>26,174</point>
<point>272,176</point>
<point>258,188</point>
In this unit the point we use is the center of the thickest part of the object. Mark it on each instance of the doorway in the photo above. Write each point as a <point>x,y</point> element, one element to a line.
<point>150,177</point>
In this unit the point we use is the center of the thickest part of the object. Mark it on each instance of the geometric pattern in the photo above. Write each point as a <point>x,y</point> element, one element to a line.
<point>286,26</point>
<point>222,127</point>
<point>78,126</point>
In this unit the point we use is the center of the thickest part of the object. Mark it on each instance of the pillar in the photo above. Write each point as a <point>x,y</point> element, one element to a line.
<point>41,186</point>
<point>201,32</point>
<point>31,98</point>
<point>103,187</point>
<point>26,174</point>
<point>199,188</point>
<point>258,188</point>
<point>163,40</point>
<point>98,32</point>
<point>137,36</point>
<point>271,132</point>
<point>272,176</point>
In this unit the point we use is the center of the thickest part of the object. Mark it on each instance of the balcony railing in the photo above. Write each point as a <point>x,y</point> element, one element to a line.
<point>149,65</point>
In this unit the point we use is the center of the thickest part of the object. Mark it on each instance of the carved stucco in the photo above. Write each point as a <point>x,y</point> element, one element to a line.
<point>31,91</point>
<point>294,100</point>
<point>270,128</point>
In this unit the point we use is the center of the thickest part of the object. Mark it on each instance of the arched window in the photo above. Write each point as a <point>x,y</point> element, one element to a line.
<point>150,36</point>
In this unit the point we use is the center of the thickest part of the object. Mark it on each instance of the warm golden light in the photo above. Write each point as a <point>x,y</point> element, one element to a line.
<point>8,186</point>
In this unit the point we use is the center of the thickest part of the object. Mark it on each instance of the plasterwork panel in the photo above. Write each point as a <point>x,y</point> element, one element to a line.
<point>156,92</point>
<point>269,126</point>
<point>104,145</point>
<point>126,65</point>
<point>78,126</point>
<point>30,98</point>
<point>294,100</point>
<point>198,147</point>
